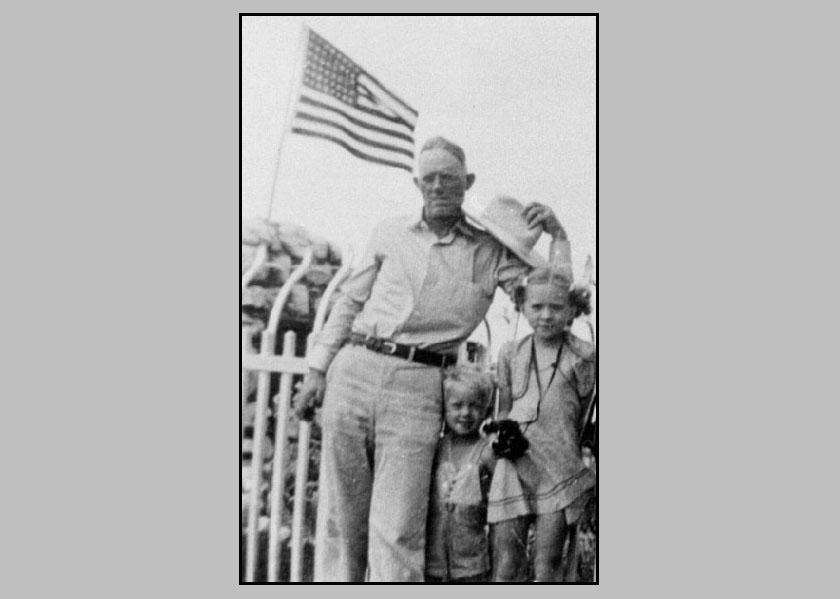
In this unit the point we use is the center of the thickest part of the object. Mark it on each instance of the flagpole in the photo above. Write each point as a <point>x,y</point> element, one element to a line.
<point>294,89</point>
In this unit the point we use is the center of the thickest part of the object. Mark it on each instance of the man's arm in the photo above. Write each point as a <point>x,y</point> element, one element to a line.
<point>559,252</point>
<point>511,269</point>
<point>354,293</point>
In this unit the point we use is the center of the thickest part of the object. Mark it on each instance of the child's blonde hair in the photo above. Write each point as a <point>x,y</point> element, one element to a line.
<point>578,297</point>
<point>474,380</point>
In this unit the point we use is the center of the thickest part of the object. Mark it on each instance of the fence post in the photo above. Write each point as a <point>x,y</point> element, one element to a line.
<point>263,389</point>
<point>278,481</point>
<point>301,481</point>
<point>247,348</point>
<point>260,259</point>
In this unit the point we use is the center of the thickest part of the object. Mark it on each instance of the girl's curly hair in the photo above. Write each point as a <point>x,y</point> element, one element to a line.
<point>579,297</point>
<point>581,300</point>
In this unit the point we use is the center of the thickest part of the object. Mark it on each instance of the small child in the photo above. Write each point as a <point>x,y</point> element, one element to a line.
<point>545,380</point>
<point>457,548</point>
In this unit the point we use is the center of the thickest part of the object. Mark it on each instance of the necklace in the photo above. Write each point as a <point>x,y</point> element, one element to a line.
<point>534,364</point>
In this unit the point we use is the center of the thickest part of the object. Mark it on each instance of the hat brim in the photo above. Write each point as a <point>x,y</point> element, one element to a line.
<point>530,258</point>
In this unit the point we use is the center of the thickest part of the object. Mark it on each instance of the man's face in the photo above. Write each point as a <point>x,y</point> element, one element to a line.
<point>442,180</point>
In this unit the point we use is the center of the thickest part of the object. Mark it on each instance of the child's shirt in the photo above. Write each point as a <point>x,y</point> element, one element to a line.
<point>456,543</point>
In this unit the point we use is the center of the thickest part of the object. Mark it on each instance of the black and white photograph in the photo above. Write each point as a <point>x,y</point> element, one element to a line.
<point>418,302</point>
<point>427,207</point>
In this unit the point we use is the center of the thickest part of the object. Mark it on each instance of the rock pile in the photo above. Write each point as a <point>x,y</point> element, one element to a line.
<point>286,245</point>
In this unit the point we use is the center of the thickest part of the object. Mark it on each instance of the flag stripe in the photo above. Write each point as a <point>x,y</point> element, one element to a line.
<point>370,101</point>
<point>361,147</point>
<point>371,134</point>
<point>355,121</point>
<point>397,120</point>
<point>356,136</point>
<point>350,149</point>
<point>391,117</point>
<point>368,98</point>
<point>412,114</point>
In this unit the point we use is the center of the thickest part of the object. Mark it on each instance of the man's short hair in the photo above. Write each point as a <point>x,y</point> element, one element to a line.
<point>441,143</point>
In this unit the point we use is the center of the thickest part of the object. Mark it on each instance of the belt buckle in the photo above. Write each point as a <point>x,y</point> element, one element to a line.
<point>388,348</point>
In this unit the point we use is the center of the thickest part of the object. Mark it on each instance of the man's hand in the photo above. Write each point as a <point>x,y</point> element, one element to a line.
<point>310,395</point>
<point>539,215</point>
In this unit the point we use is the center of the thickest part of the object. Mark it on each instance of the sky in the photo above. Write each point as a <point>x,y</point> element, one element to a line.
<point>517,93</point>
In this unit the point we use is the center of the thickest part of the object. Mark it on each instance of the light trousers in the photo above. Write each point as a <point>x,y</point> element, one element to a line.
<point>381,422</point>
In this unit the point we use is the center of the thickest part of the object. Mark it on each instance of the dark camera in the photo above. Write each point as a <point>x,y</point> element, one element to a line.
<point>510,442</point>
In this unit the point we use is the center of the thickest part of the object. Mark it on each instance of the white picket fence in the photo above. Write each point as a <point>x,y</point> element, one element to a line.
<point>287,365</point>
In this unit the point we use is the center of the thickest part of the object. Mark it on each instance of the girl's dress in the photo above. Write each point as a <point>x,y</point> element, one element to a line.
<point>456,545</point>
<point>551,475</point>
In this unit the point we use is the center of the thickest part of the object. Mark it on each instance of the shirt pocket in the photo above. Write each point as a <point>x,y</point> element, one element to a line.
<point>472,303</point>
<point>447,310</point>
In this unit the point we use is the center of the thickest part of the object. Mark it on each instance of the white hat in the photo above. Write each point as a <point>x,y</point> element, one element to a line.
<point>503,218</point>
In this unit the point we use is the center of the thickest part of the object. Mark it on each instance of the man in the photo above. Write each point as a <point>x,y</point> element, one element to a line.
<point>422,286</point>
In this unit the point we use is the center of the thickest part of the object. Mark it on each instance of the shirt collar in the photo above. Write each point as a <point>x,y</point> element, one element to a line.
<point>461,227</point>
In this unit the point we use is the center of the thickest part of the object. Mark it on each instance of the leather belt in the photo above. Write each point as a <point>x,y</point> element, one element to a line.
<point>407,352</point>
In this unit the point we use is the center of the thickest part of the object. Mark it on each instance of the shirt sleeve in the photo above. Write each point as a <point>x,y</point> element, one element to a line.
<point>584,369</point>
<point>511,271</point>
<point>560,255</point>
<point>354,292</point>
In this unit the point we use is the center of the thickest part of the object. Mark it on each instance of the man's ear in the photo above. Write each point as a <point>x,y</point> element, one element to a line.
<point>470,180</point>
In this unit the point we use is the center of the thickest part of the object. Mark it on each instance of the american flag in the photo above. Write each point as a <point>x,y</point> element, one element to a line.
<point>342,103</point>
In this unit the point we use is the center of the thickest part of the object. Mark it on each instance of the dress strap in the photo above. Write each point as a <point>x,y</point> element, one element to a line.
<point>555,367</point>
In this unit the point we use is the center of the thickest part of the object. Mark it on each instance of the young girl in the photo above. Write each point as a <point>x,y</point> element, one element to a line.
<point>544,383</point>
<point>457,546</point>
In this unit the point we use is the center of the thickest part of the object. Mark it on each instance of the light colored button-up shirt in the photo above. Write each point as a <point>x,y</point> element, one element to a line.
<point>411,287</point>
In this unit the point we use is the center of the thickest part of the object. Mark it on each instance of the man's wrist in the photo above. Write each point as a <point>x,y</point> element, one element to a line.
<point>319,358</point>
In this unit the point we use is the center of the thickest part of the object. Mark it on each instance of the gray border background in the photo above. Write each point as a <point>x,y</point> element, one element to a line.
<point>121,318</point>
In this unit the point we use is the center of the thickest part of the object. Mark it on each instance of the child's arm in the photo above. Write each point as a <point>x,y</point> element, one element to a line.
<point>503,372</point>
<point>486,468</point>
<point>487,460</point>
